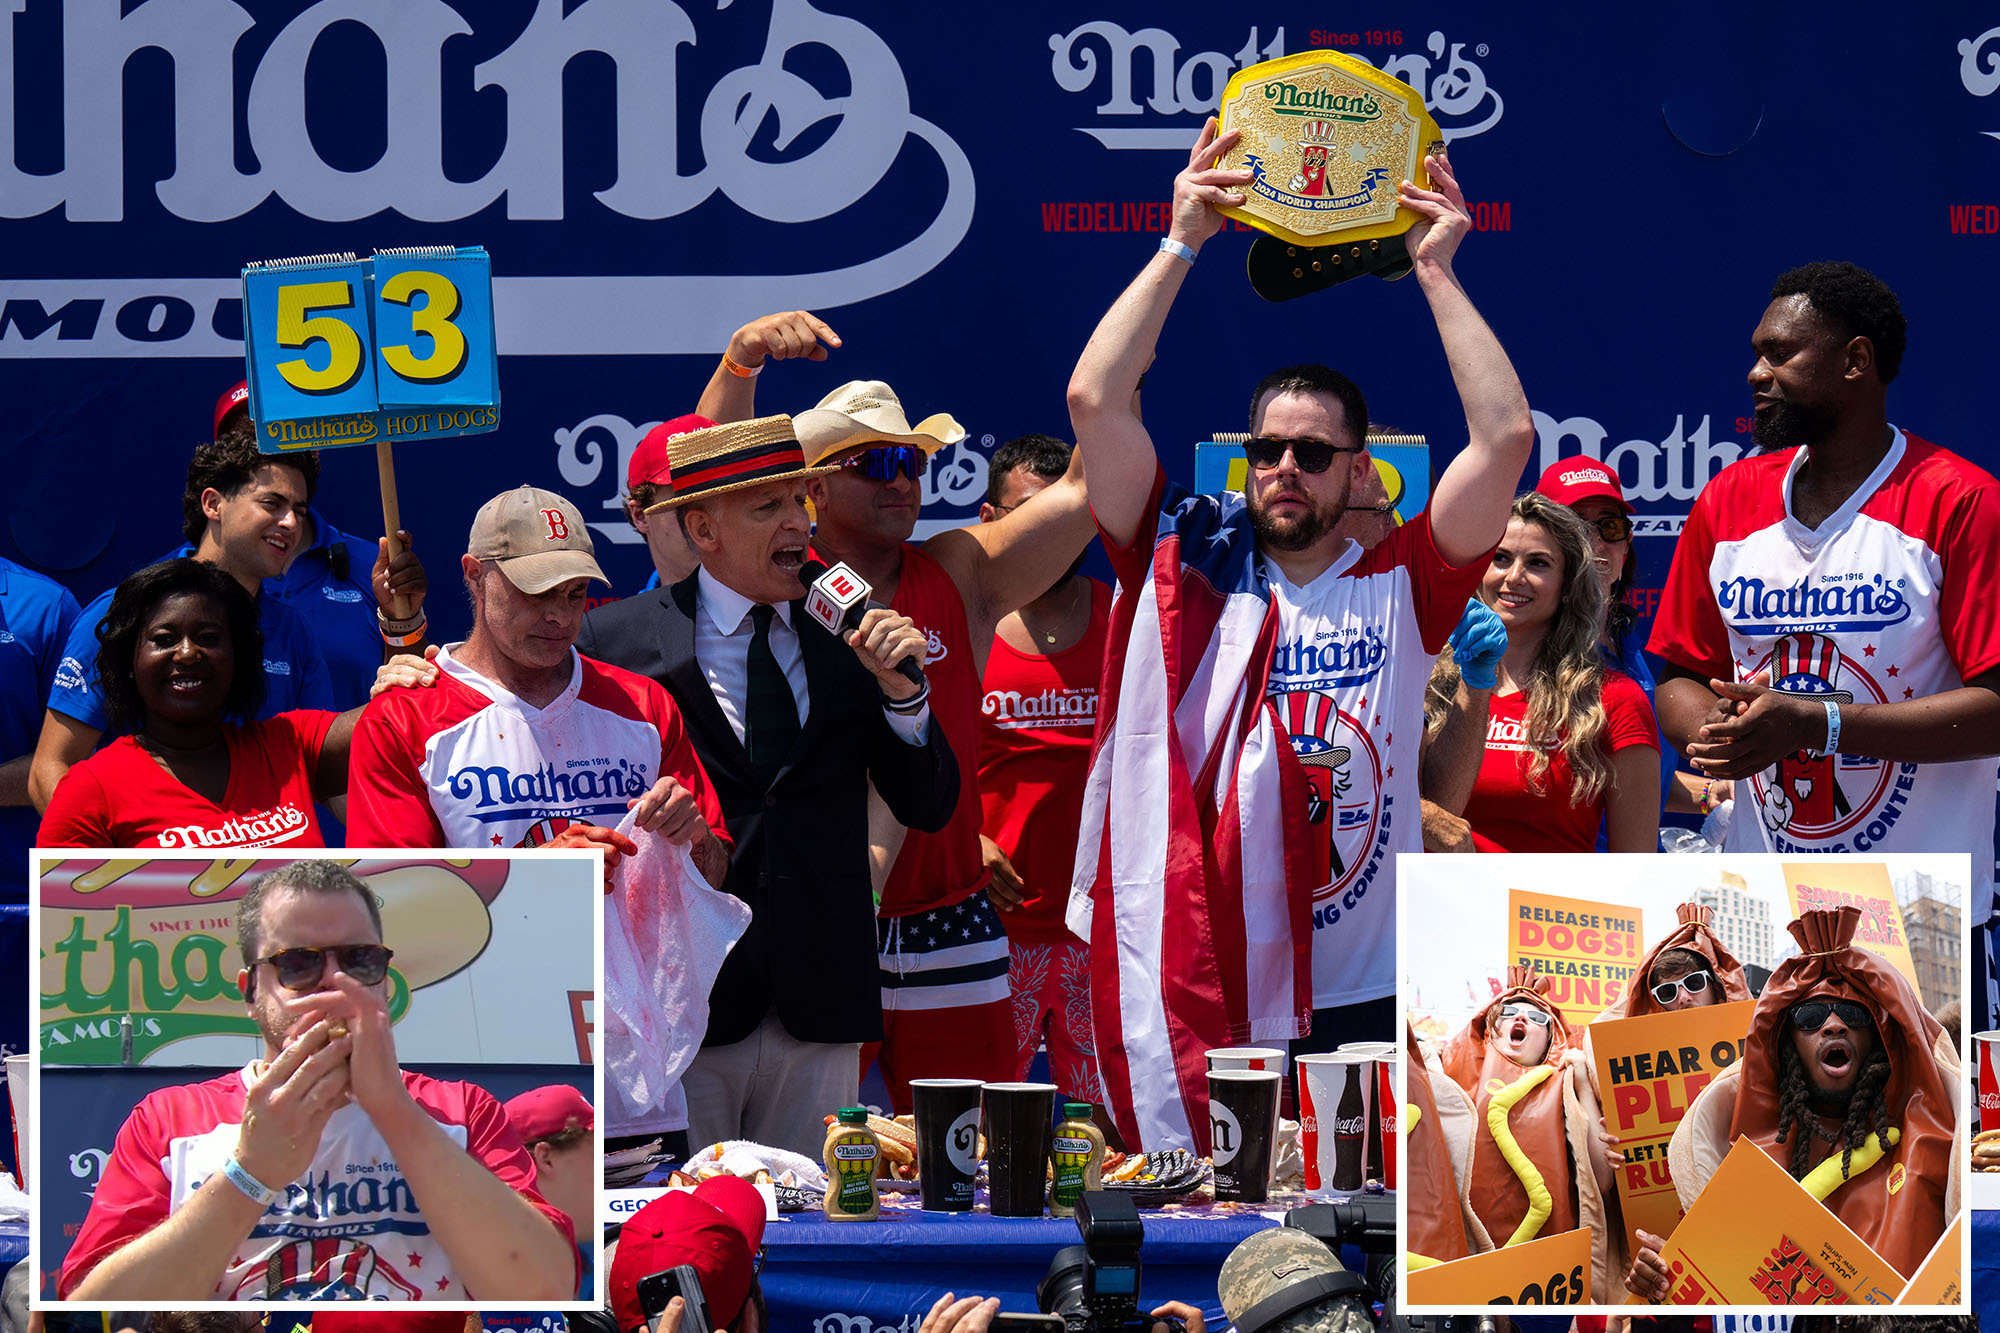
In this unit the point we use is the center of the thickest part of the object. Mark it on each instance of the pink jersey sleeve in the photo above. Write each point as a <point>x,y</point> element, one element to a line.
<point>1968,610</point>
<point>1688,629</point>
<point>492,1141</point>
<point>387,802</point>
<point>1628,718</point>
<point>131,1198</point>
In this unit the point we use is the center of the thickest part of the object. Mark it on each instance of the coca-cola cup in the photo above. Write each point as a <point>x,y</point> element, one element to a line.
<point>1353,1110</point>
<point>1989,1079</point>
<point>1386,1097</point>
<point>1374,1165</point>
<point>1243,1132</point>
<point>17,1097</point>
<point>1319,1087</point>
<point>947,1141</point>
<point>1268,1058</point>
<point>1020,1121</point>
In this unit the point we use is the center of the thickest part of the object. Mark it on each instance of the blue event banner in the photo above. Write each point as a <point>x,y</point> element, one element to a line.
<point>341,351</point>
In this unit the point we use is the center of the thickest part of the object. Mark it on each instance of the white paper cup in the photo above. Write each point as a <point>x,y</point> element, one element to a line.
<point>1319,1092</point>
<point>1268,1058</point>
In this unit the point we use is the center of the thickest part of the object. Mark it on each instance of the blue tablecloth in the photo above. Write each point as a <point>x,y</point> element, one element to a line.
<point>877,1274</point>
<point>13,1244</point>
<point>1986,1268</point>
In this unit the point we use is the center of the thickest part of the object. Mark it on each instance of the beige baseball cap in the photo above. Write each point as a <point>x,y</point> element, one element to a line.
<point>536,537</point>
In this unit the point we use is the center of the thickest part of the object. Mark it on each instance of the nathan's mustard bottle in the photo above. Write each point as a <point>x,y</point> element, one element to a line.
<point>1078,1150</point>
<point>852,1155</point>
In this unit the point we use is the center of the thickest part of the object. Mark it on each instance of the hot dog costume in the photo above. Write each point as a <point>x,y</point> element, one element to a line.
<point>1527,1170</point>
<point>1900,1204</point>
<point>1437,1220</point>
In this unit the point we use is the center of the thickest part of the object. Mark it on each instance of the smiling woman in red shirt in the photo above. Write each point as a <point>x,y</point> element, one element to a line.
<point>188,773</point>
<point>1568,740</point>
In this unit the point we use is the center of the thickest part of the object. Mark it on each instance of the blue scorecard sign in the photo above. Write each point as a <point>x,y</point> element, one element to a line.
<point>345,351</point>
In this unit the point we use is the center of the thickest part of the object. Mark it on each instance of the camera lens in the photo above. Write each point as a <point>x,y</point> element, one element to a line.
<point>1060,1291</point>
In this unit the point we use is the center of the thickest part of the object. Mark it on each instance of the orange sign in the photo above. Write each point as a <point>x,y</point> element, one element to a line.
<point>1554,1270</point>
<point>1862,884</point>
<point>1938,1282</point>
<point>1589,950</point>
<point>1754,1237</point>
<point>1649,1070</point>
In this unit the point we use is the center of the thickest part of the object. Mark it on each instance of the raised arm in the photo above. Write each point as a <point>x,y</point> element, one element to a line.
<point>1103,406</point>
<point>1004,565</point>
<point>1468,511</point>
<point>731,395</point>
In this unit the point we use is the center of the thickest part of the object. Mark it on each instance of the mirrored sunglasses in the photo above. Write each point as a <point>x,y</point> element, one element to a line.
<point>1812,1015</point>
<point>1694,983</point>
<point>883,464</point>
<point>1265,451</point>
<point>1539,1017</point>
<point>302,969</point>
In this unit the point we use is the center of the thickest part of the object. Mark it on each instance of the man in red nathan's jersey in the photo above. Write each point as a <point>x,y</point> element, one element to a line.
<point>299,1176</point>
<point>521,741</point>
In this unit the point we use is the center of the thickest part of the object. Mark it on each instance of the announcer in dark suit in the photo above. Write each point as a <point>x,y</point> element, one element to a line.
<point>791,726</point>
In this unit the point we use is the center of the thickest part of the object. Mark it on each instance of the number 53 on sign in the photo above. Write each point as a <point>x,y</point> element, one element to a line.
<point>343,351</point>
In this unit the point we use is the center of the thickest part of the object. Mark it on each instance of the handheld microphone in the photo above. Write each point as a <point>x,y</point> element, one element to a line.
<point>837,598</point>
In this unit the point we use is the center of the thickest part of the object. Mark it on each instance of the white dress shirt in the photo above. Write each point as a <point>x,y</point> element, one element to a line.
<point>722,632</point>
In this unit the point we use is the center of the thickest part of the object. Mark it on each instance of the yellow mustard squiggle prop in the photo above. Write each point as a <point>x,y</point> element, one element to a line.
<point>1413,1263</point>
<point>1540,1205</point>
<point>1825,1178</point>
<point>1411,1115</point>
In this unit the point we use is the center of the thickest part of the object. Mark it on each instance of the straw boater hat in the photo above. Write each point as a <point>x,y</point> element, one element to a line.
<point>732,457</point>
<point>861,413</point>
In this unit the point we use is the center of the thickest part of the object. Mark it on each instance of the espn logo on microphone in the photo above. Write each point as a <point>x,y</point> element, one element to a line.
<point>833,595</point>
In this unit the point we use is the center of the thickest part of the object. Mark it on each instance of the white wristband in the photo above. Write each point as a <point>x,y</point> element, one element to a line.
<point>1832,728</point>
<point>254,1189</point>
<point>1184,253</point>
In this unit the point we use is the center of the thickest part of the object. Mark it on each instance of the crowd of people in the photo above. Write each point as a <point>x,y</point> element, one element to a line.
<point>1844,1079</point>
<point>1125,827</point>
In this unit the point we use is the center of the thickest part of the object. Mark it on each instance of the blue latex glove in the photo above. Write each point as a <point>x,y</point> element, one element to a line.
<point>1478,643</point>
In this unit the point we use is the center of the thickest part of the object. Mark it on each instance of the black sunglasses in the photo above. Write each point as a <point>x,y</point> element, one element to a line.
<point>1264,452</point>
<point>1612,527</point>
<point>883,464</point>
<point>1694,983</point>
<point>1812,1015</point>
<point>301,969</point>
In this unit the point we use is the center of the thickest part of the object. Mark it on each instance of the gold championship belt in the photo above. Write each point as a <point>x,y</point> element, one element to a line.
<point>1328,138</point>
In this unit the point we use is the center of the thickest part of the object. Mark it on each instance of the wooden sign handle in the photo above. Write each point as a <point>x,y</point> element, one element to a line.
<point>392,519</point>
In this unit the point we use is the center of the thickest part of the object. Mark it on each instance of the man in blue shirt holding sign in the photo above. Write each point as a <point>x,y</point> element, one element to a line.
<point>242,513</point>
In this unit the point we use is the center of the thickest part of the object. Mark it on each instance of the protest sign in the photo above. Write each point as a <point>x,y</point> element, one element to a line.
<point>1649,1070</point>
<point>1554,1270</point>
<point>1939,1282</point>
<point>1862,884</point>
<point>1588,950</point>
<point>1754,1237</point>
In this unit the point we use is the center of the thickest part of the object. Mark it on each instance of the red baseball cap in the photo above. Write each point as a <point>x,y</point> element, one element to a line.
<point>1569,480</point>
<point>717,1228</point>
<point>649,460</point>
<point>543,1113</point>
<point>230,401</point>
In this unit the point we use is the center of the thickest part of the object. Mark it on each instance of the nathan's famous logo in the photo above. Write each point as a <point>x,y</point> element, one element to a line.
<point>154,941</point>
<point>1673,467</point>
<point>1053,707</point>
<point>784,141</point>
<point>1859,603</point>
<point>1447,75</point>
<point>591,786</point>
<point>1289,99</point>
<point>1787,1275</point>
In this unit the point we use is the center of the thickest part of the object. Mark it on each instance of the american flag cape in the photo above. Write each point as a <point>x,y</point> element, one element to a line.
<point>1195,861</point>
